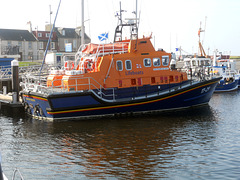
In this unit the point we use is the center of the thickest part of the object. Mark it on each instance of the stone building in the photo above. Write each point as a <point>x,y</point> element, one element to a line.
<point>31,45</point>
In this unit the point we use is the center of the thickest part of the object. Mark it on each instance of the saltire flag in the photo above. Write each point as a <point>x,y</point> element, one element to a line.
<point>103,36</point>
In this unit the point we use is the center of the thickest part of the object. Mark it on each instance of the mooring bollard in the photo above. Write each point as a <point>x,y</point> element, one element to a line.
<point>15,80</point>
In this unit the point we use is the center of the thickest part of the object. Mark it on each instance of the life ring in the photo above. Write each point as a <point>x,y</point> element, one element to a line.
<point>72,65</point>
<point>89,65</point>
<point>93,66</point>
<point>66,65</point>
<point>78,67</point>
<point>69,65</point>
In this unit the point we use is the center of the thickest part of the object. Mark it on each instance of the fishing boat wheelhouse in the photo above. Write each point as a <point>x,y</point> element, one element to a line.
<point>120,77</point>
<point>225,67</point>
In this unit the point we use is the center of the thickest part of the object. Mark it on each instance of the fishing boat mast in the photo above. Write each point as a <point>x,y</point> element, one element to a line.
<point>201,51</point>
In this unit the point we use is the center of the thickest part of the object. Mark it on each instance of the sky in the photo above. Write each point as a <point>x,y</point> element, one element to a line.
<point>172,23</point>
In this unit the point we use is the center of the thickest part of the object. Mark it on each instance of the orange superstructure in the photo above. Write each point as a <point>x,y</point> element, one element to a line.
<point>122,65</point>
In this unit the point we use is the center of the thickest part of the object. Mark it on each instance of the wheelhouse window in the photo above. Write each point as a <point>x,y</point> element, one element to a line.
<point>156,62</point>
<point>147,62</point>
<point>165,60</point>
<point>119,65</point>
<point>128,65</point>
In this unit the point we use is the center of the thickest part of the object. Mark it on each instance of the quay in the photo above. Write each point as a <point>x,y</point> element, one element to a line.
<point>7,98</point>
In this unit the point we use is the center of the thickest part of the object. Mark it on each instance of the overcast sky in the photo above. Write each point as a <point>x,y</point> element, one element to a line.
<point>173,23</point>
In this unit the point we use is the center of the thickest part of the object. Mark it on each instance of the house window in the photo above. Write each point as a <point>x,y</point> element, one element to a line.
<point>119,65</point>
<point>30,56</point>
<point>29,45</point>
<point>48,34</point>
<point>74,44</point>
<point>40,45</point>
<point>52,45</point>
<point>20,44</point>
<point>9,43</point>
<point>147,62</point>
<point>128,65</point>
<point>65,41</point>
<point>156,62</point>
<point>63,32</point>
<point>165,60</point>
<point>39,34</point>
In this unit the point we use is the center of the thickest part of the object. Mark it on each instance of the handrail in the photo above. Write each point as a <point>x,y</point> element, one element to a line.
<point>40,85</point>
<point>6,73</point>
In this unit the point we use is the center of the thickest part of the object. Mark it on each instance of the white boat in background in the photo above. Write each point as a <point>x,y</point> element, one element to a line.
<point>218,65</point>
<point>225,67</point>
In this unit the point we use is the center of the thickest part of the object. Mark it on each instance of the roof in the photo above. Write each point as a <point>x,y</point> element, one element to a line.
<point>69,33</point>
<point>16,35</point>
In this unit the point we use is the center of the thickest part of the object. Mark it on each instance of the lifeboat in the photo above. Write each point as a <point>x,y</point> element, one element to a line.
<point>116,78</point>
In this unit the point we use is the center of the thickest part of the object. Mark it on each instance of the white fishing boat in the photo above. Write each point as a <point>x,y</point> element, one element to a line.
<point>203,66</point>
<point>225,67</point>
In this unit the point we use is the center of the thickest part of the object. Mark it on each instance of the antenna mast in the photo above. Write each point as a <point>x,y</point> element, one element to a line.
<point>132,23</point>
<point>82,28</point>
<point>201,51</point>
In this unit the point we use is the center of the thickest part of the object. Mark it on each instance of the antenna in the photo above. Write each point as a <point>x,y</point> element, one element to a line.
<point>132,23</point>
<point>118,30</point>
<point>201,50</point>
<point>204,29</point>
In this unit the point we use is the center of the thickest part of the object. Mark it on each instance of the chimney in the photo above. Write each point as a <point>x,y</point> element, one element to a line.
<point>48,27</point>
<point>78,30</point>
<point>29,25</point>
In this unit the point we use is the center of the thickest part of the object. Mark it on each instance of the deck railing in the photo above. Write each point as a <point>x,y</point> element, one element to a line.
<point>39,84</point>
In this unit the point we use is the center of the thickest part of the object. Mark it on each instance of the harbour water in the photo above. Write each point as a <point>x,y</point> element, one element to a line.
<point>199,143</point>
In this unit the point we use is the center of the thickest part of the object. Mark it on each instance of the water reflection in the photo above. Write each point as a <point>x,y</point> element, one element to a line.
<point>123,148</point>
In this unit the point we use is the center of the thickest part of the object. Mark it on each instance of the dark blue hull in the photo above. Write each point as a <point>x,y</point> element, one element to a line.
<point>74,105</point>
<point>223,86</point>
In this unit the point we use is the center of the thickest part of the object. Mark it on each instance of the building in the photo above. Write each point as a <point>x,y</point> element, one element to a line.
<point>69,39</point>
<point>31,45</point>
<point>18,42</point>
<point>42,37</point>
